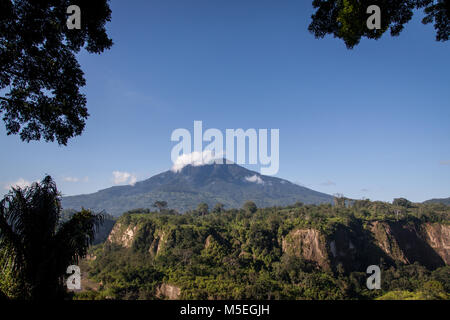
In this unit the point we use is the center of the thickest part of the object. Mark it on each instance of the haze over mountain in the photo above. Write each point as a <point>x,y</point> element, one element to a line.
<point>183,190</point>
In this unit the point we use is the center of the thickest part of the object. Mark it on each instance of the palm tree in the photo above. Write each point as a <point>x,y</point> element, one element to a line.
<point>35,246</point>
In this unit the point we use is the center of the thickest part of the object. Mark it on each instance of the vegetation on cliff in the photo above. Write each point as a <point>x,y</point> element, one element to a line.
<point>294,252</point>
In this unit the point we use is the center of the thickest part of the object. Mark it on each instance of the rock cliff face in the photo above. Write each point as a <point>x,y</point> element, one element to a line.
<point>438,237</point>
<point>167,291</point>
<point>126,235</point>
<point>309,244</point>
<point>341,248</point>
<point>386,240</point>
<point>352,248</point>
<point>122,235</point>
<point>158,243</point>
<point>408,243</point>
<point>355,249</point>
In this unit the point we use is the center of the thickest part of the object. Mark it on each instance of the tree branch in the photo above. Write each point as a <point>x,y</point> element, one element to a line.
<point>5,99</point>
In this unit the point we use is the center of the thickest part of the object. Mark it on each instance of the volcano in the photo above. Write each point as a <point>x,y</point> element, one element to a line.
<point>184,189</point>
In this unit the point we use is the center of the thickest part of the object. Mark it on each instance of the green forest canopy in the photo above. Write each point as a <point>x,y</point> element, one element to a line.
<point>244,258</point>
<point>346,19</point>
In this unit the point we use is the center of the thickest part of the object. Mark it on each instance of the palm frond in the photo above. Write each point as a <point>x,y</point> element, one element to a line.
<point>76,235</point>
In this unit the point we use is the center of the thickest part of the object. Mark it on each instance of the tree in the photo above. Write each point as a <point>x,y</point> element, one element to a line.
<point>433,290</point>
<point>203,208</point>
<point>339,200</point>
<point>219,207</point>
<point>161,205</point>
<point>347,19</point>
<point>402,202</point>
<point>250,207</point>
<point>40,77</point>
<point>298,204</point>
<point>36,247</point>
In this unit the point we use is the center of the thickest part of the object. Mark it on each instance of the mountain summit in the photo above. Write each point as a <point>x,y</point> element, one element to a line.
<point>183,190</point>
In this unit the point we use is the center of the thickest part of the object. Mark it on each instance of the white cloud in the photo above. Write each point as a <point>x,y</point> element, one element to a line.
<point>197,159</point>
<point>75,179</point>
<point>71,179</point>
<point>255,179</point>
<point>124,178</point>
<point>21,183</point>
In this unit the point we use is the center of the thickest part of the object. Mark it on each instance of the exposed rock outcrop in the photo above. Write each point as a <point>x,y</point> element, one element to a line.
<point>357,247</point>
<point>125,236</point>
<point>410,242</point>
<point>308,244</point>
<point>438,237</point>
<point>353,247</point>
<point>122,235</point>
<point>385,239</point>
<point>208,241</point>
<point>168,291</point>
<point>158,243</point>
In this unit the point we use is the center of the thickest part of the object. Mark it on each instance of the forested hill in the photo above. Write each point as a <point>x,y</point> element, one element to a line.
<point>296,252</point>
<point>228,184</point>
<point>443,201</point>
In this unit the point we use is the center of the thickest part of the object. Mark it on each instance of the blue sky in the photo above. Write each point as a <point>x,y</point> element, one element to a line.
<point>369,122</point>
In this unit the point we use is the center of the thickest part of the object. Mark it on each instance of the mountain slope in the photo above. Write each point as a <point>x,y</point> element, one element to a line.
<point>445,201</point>
<point>229,184</point>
